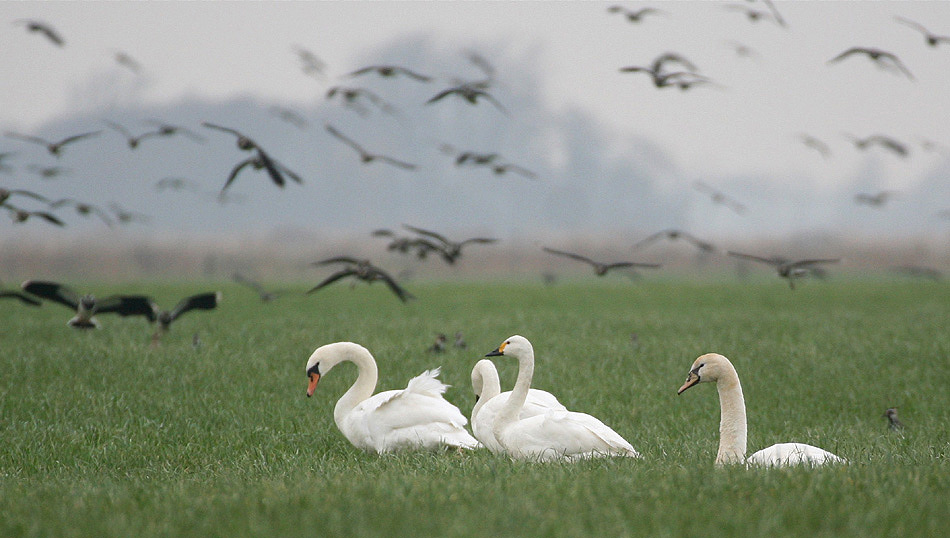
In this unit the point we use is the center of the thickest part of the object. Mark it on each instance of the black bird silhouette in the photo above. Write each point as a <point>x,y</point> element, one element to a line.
<point>884,59</point>
<point>310,64</point>
<point>6,194</point>
<point>264,295</point>
<point>789,270</point>
<point>82,208</point>
<point>44,29</point>
<point>88,306</point>
<point>390,71</point>
<point>22,215</point>
<point>125,216</point>
<point>503,168</point>
<point>757,15</point>
<point>600,269</point>
<point>127,61</point>
<point>877,199</point>
<point>930,38</point>
<point>404,244</point>
<point>471,93</point>
<point>815,144</point>
<point>257,162</point>
<point>449,250</point>
<point>362,270</point>
<point>719,197</point>
<point>201,301</point>
<point>683,80</point>
<point>169,129</point>
<point>475,158</point>
<point>262,159</point>
<point>53,147</point>
<point>885,142</point>
<point>132,140</point>
<point>892,422</point>
<point>673,234</point>
<point>354,97</point>
<point>48,172</point>
<point>365,156</point>
<point>634,15</point>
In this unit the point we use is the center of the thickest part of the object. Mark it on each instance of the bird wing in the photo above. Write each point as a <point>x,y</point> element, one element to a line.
<point>333,278</point>
<point>396,162</point>
<point>650,239</point>
<point>492,100</point>
<point>343,138</point>
<point>202,301</point>
<point>849,52</point>
<point>412,74</point>
<point>337,259</point>
<point>751,257</point>
<point>48,217</point>
<point>396,288</point>
<point>477,240</point>
<point>24,298</point>
<point>805,263</point>
<point>118,128</point>
<point>52,291</point>
<point>289,173</point>
<point>442,94</point>
<point>70,139</point>
<point>235,171</point>
<point>28,138</point>
<point>30,194</point>
<point>221,128</point>
<point>912,24</point>
<point>127,305</point>
<point>271,168</point>
<point>569,255</point>
<point>428,233</point>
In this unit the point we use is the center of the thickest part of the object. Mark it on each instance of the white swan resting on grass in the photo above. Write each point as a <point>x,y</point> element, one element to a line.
<point>417,417</point>
<point>489,400</point>
<point>732,425</point>
<point>555,435</point>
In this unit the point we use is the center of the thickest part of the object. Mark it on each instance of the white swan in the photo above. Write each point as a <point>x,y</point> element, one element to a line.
<point>555,435</point>
<point>489,400</point>
<point>416,417</point>
<point>732,424</point>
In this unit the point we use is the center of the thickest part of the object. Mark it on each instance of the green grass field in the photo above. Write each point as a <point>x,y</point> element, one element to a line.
<point>103,435</point>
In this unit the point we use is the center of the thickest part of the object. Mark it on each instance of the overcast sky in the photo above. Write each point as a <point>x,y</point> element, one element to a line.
<point>746,123</point>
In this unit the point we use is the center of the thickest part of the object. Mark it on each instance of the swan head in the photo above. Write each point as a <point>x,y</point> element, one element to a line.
<point>485,381</point>
<point>515,346</point>
<point>706,369</point>
<point>326,357</point>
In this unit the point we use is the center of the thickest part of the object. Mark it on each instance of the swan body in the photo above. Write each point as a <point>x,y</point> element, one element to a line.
<point>732,424</point>
<point>490,400</point>
<point>556,435</point>
<point>417,417</point>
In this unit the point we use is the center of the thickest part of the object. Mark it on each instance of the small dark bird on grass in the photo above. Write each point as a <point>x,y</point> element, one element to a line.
<point>265,295</point>
<point>365,156</point>
<point>719,197</point>
<point>43,29</point>
<point>469,92</point>
<point>600,269</point>
<point>390,71</point>
<point>789,270</point>
<point>53,147</point>
<point>439,345</point>
<point>883,59</point>
<point>892,422</point>
<point>201,301</point>
<point>88,306</point>
<point>362,270</point>
<point>459,341</point>
<point>673,234</point>
<point>930,38</point>
<point>450,250</point>
<point>635,15</point>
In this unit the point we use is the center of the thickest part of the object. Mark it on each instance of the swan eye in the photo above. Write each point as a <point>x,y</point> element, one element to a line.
<point>315,369</point>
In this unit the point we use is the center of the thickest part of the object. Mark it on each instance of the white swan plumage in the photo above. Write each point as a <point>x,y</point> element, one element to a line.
<point>489,400</point>
<point>417,417</point>
<point>732,424</point>
<point>555,435</point>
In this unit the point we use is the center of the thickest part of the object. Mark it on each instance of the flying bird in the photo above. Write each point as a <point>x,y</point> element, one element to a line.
<point>131,139</point>
<point>127,61</point>
<point>683,80</point>
<point>719,197</point>
<point>600,269</point>
<point>502,168</point>
<point>365,156</point>
<point>264,295</point>
<point>883,59</point>
<point>885,142</point>
<point>53,147</point>
<point>169,129</point>
<point>390,71</point>
<point>262,159</point>
<point>634,15</point>
<point>756,15</point>
<point>257,162</point>
<point>6,194</point>
<point>354,97</point>
<point>201,301</point>
<point>815,144</point>
<point>673,234</point>
<point>469,92</point>
<point>88,306</point>
<point>22,215</point>
<point>48,172</point>
<point>43,29</point>
<point>877,199</point>
<point>82,208</point>
<point>125,216</point>
<point>789,270</point>
<point>310,64</point>
<point>450,250</point>
<point>404,244</point>
<point>290,116</point>
<point>362,270</point>
<point>930,38</point>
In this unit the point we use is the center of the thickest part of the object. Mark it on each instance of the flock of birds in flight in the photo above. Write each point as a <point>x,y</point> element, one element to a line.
<point>668,70</point>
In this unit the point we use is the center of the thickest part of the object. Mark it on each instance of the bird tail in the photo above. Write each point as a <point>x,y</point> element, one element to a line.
<point>427,383</point>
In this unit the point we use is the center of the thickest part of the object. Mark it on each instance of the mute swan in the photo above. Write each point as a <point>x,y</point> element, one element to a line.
<point>415,417</point>
<point>555,435</point>
<point>732,425</point>
<point>489,400</point>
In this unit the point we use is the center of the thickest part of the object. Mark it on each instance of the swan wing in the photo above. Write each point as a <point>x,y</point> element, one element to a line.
<point>788,454</point>
<point>538,402</point>
<point>563,435</point>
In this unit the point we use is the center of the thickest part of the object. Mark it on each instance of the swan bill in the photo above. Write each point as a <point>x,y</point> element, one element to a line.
<point>498,352</point>
<point>312,386</point>
<point>691,379</point>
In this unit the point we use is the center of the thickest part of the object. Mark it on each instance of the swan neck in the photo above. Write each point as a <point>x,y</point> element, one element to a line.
<point>732,420</point>
<point>491,387</point>
<point>512,409</point>
<point>362,388</point>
